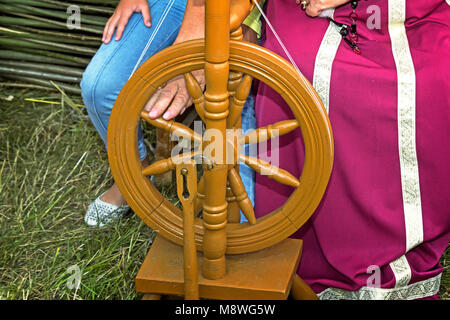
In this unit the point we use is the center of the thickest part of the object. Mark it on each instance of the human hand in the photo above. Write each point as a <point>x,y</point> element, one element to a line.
<point>249,34</point>
<point>172,99</point>
<point>315,7</point>
<point>121,16</point>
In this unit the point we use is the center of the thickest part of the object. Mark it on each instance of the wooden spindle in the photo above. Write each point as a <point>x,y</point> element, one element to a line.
<point>238,100</point>
<point>233,82</point>
<point>196,92</point>
<point>236,34</point>
<point>271,131</point>
<point>241,195</point>
<point>165,165</point>
<point>234,79</point>
<point>234,214</point>
<point>159,167</point>
<point>173,127</point>
<point>273,172</point>
<point>216,112</point>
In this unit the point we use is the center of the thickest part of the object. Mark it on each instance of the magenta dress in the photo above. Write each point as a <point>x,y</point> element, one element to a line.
<point>384,221</point>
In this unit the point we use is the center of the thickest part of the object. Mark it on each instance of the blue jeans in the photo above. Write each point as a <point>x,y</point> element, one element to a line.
<point>114,63</point>
<point>247,174</point>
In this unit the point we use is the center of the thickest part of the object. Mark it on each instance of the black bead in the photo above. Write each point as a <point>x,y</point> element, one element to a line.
<point>343,31</point>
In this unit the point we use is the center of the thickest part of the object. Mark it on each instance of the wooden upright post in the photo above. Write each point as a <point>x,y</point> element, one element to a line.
<point>234,78</point>
<point>217,34</point>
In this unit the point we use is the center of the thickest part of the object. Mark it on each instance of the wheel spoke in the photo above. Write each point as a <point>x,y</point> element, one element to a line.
<point>166,165</point>
<point>173,127</point>
<point>196,92</point>
<point>159,167</point>
<point>266,133</point>
<point>237,186</point>
<point>273,172</point>
<point>233,212</point>
<point>238,101</point>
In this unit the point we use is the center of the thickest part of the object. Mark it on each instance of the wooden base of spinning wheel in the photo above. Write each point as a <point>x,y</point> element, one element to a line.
<point>268,274</point>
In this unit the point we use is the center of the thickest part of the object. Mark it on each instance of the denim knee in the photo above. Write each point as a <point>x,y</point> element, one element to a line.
<point>86,85</point>
<point>94,94</point>
<point>99,92</point>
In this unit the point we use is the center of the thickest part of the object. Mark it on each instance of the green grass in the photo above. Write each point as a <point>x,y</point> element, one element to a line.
<point>52,165</point>
<point>444,291</point>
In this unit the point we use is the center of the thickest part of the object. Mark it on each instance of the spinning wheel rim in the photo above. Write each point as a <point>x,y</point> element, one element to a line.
<point>158,212</point>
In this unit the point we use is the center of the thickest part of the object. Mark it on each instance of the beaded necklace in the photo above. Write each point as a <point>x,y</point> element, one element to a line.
<point>349,32</point>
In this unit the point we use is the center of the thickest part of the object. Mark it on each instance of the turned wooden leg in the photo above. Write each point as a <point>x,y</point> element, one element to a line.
<point>301,291</point>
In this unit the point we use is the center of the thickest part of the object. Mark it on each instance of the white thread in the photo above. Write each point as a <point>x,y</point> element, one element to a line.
<point>324,63</point>
<point>149,42</point>
<point>278,38</point>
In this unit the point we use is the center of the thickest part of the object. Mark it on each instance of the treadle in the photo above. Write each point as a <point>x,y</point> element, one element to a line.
<point>262,275</point>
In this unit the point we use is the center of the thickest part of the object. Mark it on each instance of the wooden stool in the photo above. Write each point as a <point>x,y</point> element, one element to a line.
<point>267,274</point>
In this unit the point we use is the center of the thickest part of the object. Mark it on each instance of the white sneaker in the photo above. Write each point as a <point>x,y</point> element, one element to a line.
<point>101,213</point>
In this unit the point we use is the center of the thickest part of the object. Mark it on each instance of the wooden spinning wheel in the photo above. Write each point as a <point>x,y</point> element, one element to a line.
<point>230,66</point>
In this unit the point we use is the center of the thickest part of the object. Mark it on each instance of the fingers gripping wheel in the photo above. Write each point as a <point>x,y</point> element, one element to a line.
<point>255,62</point>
